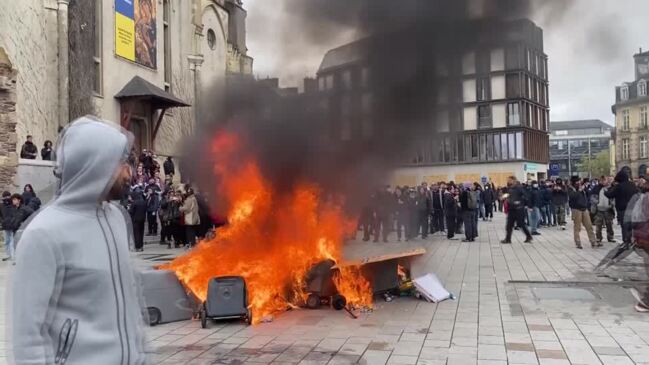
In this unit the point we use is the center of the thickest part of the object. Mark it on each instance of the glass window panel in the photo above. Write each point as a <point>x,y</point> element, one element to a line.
<point>460,148</point>
<point>490,147</point>
<point>503,146</point>
<point>519,145</point>
<point>483,148</point>
<point>474,147</point>
<point>496,140</point>
<point>512,146</point>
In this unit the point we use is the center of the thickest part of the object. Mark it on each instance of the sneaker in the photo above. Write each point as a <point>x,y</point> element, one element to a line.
<point>579,246</point>
<point>528,240</point>
<point>505,242</point>
<point>563,228</point>
<point>612,241</point>
<point>536,233</point>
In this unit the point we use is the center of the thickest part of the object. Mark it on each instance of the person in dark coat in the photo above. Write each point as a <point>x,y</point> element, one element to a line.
<point>138,212</point>
<point>7,212</point>
<point>450,211</point>
<point>29,149</point>
<point>578,201</point>
<point>547,212</point>
<point>468,210</point>
<point>622,191</point>
<point>559,201</point>
<point>437,208</point>
<point>28,193</point>
<point>401,213</point>
<point>516,202</point>
<point>488,199</point>
<point>152,197</point>
<point>46,151</point>
<point>423,211</point>
<point>169,168</point>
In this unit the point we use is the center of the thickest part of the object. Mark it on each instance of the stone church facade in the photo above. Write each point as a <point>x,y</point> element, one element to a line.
<point>154,66</point>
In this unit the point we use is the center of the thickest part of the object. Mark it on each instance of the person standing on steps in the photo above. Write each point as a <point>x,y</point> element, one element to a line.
<point>516,202</point>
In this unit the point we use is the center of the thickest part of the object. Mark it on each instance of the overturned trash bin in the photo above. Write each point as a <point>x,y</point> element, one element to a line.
<point>321,287</point>
<point>165,298</point>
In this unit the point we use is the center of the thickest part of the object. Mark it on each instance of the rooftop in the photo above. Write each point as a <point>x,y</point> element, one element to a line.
<point>579,124</point>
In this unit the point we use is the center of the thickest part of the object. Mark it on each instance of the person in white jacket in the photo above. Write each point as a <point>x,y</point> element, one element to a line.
<point>74,298</point>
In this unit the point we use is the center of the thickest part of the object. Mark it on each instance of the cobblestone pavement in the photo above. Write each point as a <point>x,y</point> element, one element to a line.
<point>534,303</point>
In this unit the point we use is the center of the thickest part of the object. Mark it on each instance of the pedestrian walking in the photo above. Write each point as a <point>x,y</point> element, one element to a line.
<point>578,201</point>
<point>489,198</point>
<point>516,203</point>
<point>547,209</point>
<point>73,273</point>
<point>604,211</point>
<point>622,190</point>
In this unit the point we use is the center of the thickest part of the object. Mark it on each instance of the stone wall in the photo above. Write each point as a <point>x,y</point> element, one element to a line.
<point>28,32</point>
<point>8,155</point>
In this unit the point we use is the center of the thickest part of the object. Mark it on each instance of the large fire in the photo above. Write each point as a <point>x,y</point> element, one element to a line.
<point>271,239</point>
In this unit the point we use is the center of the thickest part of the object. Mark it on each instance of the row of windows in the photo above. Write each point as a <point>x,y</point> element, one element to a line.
<point>499,59</point>
<point>512,85</point>
<point>482,147</point>
<point>579,143</point>
<point>644,118</point>
<point>642,90</point>
<point>345,79</point>
<point>626,149</point>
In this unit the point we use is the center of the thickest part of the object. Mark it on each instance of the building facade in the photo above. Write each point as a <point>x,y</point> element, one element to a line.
<point>574,141</point>
<point>150,65</point>
<point>631,111</point>
<point>489,111</point>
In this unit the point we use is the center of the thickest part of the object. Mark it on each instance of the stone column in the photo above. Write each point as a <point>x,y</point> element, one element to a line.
<point>8,137</point>
<point>63,48</point>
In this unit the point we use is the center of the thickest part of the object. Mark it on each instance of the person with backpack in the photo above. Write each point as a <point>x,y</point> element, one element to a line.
<point>604,209</point>
<point>468,206</point>
<point>622,190</point>
<point>516,202</point>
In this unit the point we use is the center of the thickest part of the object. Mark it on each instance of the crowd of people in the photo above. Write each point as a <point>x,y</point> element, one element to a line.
<point>178,213</point>
<point>30,151</point>
<point>456,208</point>
<point>15,210</point>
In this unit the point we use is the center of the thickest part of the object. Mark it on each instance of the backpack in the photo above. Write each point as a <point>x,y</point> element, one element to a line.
<point>472,200</point>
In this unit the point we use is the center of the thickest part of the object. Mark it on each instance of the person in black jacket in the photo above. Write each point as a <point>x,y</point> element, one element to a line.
<point>138,210</point>
<point>7,212</point>
<point>169,169</point>
<point>622,191</point>
<point>46,151</point>
<point>402,214</point>
<point>29,149</point>
<point>450,211</point>
<point>559,201</point>
<point>468,206</point>
<point>437,205</point>
<point>578,201</point>
<point>489,198</point>
<point>547,210</point>
<point>423,211</point>
<point>516,202</point>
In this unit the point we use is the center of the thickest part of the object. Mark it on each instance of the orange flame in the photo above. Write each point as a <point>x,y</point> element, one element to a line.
<point>271,239</point>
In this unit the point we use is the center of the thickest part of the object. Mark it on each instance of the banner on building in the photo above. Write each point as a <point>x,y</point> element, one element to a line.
<point>135,31</point>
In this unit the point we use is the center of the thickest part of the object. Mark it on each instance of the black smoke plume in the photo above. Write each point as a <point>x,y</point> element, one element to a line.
<point>295,139</point>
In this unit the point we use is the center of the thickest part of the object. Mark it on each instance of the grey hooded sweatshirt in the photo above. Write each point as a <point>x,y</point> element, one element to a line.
<point>74,297</point>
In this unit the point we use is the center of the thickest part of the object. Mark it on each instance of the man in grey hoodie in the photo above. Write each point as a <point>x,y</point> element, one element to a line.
<point>74,296</point>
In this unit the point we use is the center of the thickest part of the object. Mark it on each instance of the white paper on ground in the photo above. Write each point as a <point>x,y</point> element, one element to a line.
<point>431,288</point>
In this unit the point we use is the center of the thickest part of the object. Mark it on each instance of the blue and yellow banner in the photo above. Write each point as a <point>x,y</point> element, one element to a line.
<point>135,31</point>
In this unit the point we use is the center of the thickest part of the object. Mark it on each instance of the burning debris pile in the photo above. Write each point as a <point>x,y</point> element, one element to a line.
<point>272,239</point>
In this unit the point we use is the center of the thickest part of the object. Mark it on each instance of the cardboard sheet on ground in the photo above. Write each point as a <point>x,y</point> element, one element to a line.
<point>431,288</point>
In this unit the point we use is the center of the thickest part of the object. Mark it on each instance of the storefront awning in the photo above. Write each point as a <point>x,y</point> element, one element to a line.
<point>142,90</point>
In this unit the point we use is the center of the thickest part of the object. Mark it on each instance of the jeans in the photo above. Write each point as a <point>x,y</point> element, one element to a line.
<point>9,244</point>
<point>535,216</point>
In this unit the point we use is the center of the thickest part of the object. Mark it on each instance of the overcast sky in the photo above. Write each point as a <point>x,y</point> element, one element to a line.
<point>590,48</point>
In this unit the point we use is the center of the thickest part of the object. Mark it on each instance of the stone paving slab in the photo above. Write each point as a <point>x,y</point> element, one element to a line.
<point>503,313</point>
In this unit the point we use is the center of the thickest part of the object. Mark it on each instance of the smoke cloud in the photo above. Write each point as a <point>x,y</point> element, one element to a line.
<point>294,138</point>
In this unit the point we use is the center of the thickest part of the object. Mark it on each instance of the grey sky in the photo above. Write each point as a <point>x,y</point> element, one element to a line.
<point>590,46</point>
